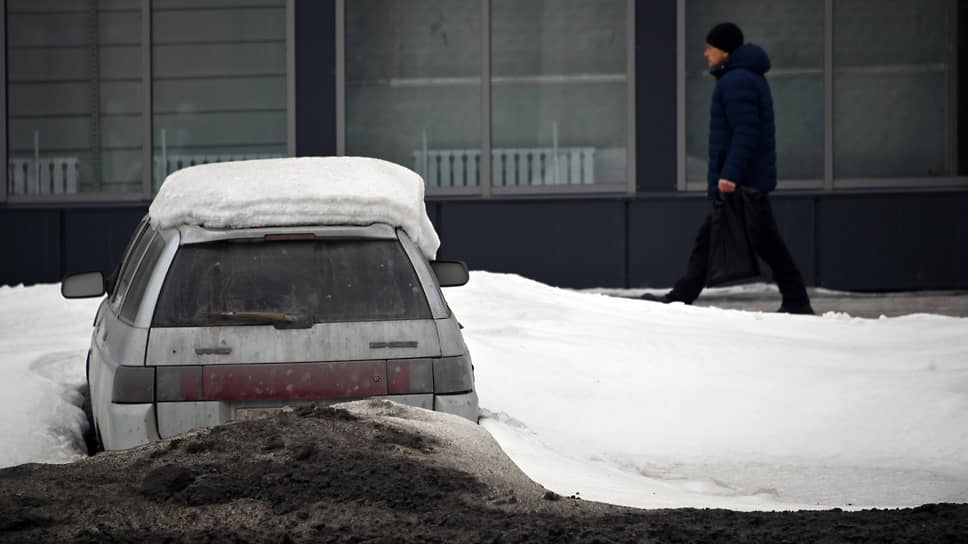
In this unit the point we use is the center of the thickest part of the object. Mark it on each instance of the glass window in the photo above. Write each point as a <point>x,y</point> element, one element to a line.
<point>146,269</point>
<point>792,34</point>
<point>327,280</point>
<point>559,92</point>
<point>218,82</point>
<point>896,89</point>
<point>135,252</point>
<point>413,87</point>
<point>74,97</point>
<point>114,279</point>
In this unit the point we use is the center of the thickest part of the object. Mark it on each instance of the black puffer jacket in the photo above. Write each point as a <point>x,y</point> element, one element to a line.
<point>742,133</point>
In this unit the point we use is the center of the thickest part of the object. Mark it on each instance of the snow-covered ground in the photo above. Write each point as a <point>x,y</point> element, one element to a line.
<point>629,402</point>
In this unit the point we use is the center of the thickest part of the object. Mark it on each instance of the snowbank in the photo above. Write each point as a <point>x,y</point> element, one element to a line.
<point>297,191</point>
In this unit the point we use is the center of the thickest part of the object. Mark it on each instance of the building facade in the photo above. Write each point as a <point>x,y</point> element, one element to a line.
<point>594,114</point>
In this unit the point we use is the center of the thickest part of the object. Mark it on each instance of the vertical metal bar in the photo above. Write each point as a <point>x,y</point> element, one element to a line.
<point>340,77</point>
<point>36,184</point>
<point>290,78</point>
<point>3,102</point>
<point>147,152</point>
<point>485,168</point>
<point>95,97</point>
<point>828,95</point>
<point>554,152</point>
<point>630,150</point>
<point>681,95</point>
<point>951,128</point>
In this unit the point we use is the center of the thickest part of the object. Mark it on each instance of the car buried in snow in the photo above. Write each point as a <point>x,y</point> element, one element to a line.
<point>279,284</point>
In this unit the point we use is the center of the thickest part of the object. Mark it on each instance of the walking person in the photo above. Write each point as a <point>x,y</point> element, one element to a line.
<point>742,151</point>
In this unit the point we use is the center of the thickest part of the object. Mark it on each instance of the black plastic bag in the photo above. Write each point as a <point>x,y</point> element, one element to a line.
<point>733,232</point>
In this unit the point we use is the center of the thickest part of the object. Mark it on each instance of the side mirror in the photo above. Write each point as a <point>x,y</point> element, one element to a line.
<point>450,273</point>
<point>88,284</point>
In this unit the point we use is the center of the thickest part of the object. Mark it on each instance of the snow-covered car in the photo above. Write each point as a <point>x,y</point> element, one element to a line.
<point>254,285</point>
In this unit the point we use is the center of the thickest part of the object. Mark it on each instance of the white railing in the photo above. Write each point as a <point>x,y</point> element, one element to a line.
<point>47,175</point>
<point>509,167</point>
<point>171,163</point>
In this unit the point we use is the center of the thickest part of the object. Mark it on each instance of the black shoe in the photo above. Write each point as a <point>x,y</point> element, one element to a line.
<point>800,309</point>
<point>655,298</point>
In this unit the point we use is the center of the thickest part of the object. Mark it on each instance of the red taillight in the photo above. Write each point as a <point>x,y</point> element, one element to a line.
<point>335,380</point>
<point>356,379</point>
<point>180,383</point>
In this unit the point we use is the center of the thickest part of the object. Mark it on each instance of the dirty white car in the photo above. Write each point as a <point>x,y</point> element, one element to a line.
<point>254,285</point>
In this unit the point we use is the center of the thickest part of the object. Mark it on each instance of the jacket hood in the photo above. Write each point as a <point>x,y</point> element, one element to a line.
<point>749,56</point>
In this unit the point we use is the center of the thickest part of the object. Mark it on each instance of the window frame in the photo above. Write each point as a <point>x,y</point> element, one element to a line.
<point>147,265</point>
<point>486,189</point>
<point>133,256</point>
<point>829,183</point>
<point>147,191</point>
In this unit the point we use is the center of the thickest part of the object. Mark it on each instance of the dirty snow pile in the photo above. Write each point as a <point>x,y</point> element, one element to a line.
<point>629,402</point>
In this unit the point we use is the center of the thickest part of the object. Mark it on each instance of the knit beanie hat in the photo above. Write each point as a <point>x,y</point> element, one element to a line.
<point>725,36</point>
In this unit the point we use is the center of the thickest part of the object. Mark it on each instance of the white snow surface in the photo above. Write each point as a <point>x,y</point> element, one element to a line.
<point>629,402</point>
<point>297,191</point>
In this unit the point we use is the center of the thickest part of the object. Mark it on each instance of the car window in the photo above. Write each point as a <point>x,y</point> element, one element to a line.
<point>136,292</point>
<point>326,280</point>
<point>132,254</point>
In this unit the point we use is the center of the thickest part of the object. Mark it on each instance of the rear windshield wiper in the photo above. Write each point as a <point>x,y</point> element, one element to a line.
<point>278,320</point>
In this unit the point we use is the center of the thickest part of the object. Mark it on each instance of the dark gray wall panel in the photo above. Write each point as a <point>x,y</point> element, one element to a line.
<point>864,242</point>
<point>661,235</point>
<point>30,245</point>
<point>433,212</point>
<point>894,242</point>
<point>566,243</point>
<point>796,218</point>
<point>315,77</point>
<point>655,96</point>
<point>94,239</point>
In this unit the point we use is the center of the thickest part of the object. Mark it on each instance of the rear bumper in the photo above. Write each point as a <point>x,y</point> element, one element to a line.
<point>175,418</point>
<point>127,426</point>
<point>464,405</point>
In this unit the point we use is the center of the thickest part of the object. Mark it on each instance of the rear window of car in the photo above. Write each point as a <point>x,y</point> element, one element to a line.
<point>327,280</point>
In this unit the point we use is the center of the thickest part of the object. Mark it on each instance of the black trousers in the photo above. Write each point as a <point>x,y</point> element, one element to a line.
<point>770,247</point>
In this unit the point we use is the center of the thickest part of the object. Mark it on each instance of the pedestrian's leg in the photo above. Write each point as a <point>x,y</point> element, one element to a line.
<point>689,286</point>
<point>773,250</point>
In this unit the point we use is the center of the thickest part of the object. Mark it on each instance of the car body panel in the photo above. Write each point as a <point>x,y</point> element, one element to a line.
<point>353,341</point>
<point>451,339</point>
<point>115,343</point>
<point>128,425</point>
<point>252,368</point>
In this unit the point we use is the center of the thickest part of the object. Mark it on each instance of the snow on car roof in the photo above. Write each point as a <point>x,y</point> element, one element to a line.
<point>297,191</point>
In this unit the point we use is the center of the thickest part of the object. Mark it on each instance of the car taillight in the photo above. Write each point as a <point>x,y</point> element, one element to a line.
<point>179,383</point>
<point>453,375</point>
<point>410,376</point>
<point>133,385</point>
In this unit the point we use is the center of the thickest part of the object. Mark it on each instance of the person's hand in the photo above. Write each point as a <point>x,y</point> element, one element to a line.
<point>726,186</point>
